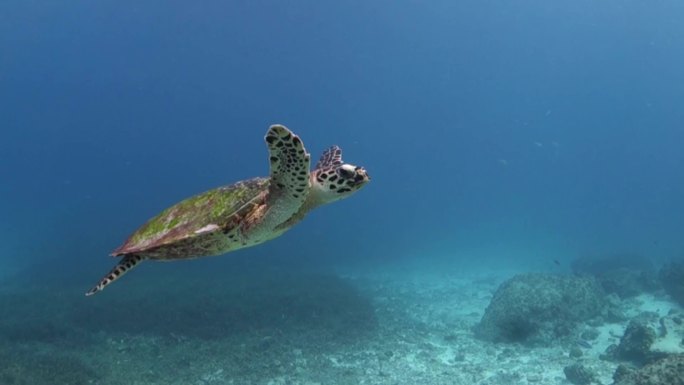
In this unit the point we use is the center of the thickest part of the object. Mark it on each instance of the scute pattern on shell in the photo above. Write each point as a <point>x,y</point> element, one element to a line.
<point>182,221</point>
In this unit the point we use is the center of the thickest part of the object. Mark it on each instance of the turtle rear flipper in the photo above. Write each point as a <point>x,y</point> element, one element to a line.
<point>290,165</point>
<point>126,264</point>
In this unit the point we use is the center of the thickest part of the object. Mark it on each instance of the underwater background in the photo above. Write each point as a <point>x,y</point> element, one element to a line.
<point>502,138</point>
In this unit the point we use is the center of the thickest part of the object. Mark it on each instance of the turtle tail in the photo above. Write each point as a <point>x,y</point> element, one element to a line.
<point>127,263</point>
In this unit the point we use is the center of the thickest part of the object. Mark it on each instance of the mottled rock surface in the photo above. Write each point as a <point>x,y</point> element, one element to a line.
<point>626,275</point>
<point>672,279</point>
<point>539,308</point>
<point>578,374</point>
<point>635,344</point>
<point>667,371</point>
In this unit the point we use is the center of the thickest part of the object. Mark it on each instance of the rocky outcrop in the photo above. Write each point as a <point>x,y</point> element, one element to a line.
<point>539,308</point>
<point>667,371</point>
<point>635,344</point>
<point>626,275</point>
<point>672,279</point>
<point>578,374</point>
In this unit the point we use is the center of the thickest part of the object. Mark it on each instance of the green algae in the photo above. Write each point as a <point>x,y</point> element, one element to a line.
<point>213,206</point>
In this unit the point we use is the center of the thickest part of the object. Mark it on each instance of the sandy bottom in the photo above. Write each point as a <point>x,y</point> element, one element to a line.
<point>420,334</point>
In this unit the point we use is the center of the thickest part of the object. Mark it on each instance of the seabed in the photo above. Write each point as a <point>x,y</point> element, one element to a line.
<point>280,328</point>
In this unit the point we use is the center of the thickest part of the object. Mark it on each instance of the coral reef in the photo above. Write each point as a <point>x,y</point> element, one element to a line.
<point>623,373</point>
<point>602,264</point>
<point>254,324</point>
<point>641,344</point>
<point>625,275</point>
<point>667,371</point>
<point>538,308</point>
<point>575,352</point>
<point>578,374</point>
<point>635,344</point>
<point>628,283</point>
<point>670,334</point>
<point>672,278</point>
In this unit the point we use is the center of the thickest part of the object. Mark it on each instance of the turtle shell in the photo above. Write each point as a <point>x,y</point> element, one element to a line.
<point>220,209</point>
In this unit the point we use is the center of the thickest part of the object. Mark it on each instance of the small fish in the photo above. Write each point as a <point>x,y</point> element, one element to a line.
<point>556,262</point>
<point>584,344</point>
<point>539,144</point>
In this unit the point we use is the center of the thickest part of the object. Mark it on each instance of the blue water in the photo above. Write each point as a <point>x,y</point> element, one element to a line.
<point>514,132</point>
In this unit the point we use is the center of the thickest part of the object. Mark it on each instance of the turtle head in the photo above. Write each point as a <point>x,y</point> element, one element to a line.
<point>333,179</point>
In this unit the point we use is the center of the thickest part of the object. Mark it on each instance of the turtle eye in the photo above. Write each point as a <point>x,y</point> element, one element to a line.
<point>346,171</point>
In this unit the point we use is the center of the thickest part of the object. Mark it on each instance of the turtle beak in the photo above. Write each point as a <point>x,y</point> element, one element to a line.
<point>361,176</point>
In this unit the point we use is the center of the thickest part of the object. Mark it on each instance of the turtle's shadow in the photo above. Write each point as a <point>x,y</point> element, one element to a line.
<point>205,303</point>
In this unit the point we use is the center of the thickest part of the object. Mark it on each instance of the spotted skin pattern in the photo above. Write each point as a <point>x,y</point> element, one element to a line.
<point>336,177</point>
<point>243,214</point>
<point>290,165</point>
<point>331,158</point>
<point>126,264</point>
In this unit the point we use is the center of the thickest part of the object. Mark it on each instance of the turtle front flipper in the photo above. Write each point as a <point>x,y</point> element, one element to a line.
<point>331,158</point>
<point>290,165</point>
<point>127,263</point>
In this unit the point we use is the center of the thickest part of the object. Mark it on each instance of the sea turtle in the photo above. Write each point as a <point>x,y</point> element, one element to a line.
<point>245,213</point>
